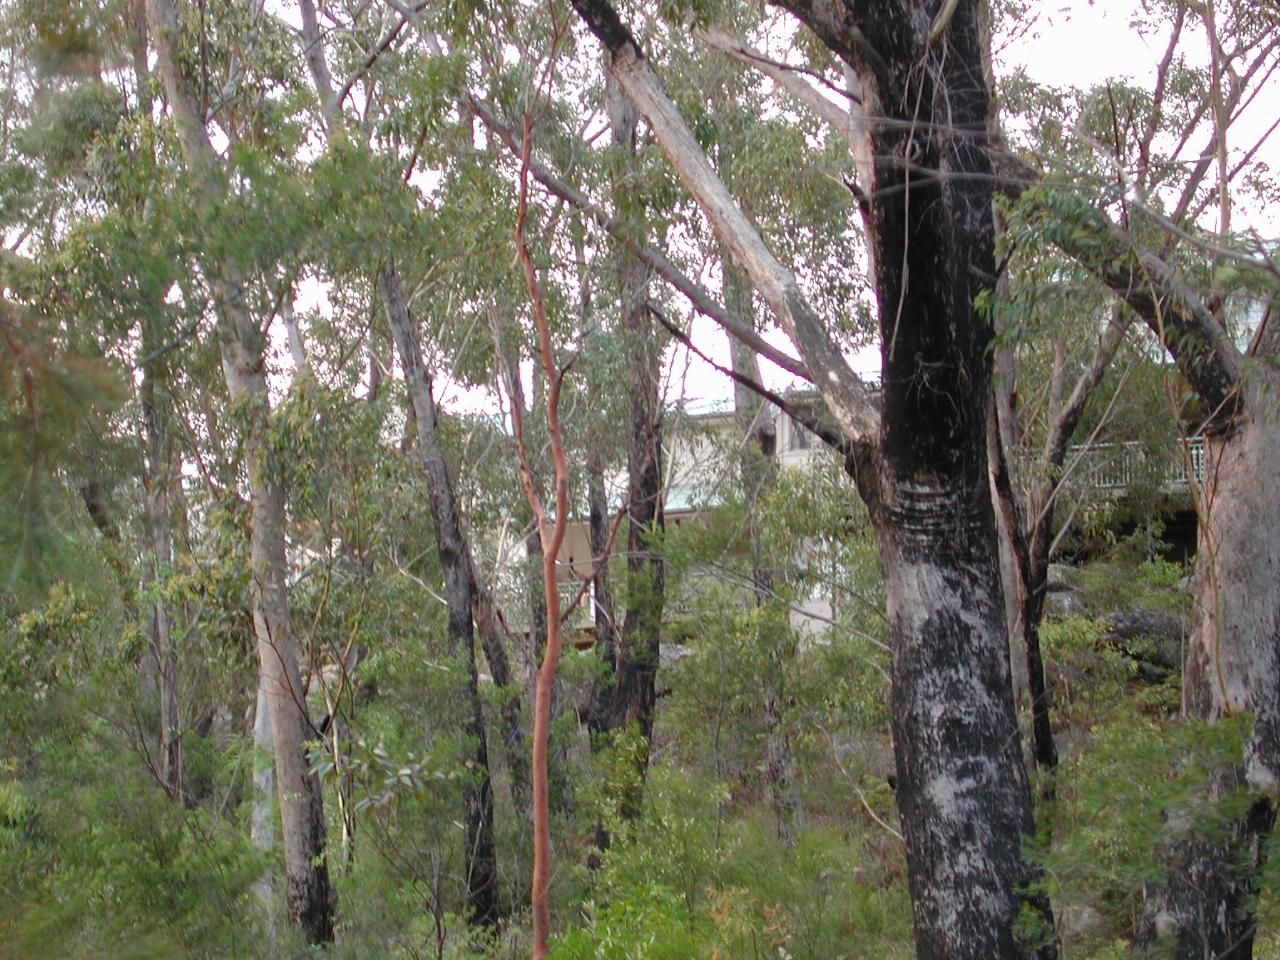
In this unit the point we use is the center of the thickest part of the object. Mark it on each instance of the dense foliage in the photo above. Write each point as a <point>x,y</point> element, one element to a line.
<point>759,821</point>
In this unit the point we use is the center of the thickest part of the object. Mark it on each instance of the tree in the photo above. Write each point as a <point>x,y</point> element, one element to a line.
<point>308,895</point>
<point>632,664</point>
<point>920,463</point>
<point>455,559</point>
<point>1207,907</point>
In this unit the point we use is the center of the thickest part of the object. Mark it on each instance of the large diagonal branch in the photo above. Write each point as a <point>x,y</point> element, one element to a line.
<point>851,123</point>
<point>1143,280</point>
<point>695,293</point>
<point>1176,313</point>
<point>851,401</point>
<point>785,77</point>
<point>699,298</point>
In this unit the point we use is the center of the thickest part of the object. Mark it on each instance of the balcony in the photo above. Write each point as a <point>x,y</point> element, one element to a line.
<point>1114,467</point>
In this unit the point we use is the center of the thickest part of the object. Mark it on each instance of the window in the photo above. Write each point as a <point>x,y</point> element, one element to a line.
<point>798,438</point>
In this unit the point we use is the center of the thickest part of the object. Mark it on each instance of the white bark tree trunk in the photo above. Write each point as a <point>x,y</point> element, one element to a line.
<point>262,826</point>
<point>309,897</point>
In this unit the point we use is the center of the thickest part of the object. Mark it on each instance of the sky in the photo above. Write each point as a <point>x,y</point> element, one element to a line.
<point>1068,43</point>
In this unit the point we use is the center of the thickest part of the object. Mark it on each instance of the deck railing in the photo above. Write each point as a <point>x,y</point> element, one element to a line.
<point>1113,467</point>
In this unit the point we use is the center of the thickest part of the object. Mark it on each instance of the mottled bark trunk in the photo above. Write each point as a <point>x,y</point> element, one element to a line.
<point>159,479</point>
<point>758,470</point>
<point>1208,908</point>
<point>455,562</point>
<point>962,790</point>
<point>309,896</point>
<point>637,654</point>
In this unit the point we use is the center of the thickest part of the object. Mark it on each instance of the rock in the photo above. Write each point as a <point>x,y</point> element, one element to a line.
<point>1133,624</point>
<point>1077,921</point>
<point>1062,602</point>
<point>1152,637</point>
<point>1059,577</point>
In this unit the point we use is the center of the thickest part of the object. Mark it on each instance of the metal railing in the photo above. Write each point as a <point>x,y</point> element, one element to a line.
<point>1114,467</point>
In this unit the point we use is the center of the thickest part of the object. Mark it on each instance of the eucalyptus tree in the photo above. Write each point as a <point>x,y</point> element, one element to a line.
<point>452,546</point>
<point>84,144</point>
<point>1175,274</point>
<point>919,456</point>
<point>241,338</point>
<point>1141,277</point>
<point>632,661</point>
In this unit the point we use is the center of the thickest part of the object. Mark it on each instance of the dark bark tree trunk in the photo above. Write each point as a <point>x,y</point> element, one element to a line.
<point>637,652</point>
<point>455,562</point>
<point>962,790</point>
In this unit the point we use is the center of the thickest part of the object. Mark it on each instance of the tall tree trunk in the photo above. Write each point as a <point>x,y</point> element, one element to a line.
<point>309,896</point>
<point>455,562</point>
<point>1208,908</point>
<point>636,668</point>
<point>159,480</point>
<point>758,471</point>
<point>962,790</point>
<point>262,829</point>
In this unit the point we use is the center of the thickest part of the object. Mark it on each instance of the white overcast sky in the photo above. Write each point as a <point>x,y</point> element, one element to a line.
<point>1070,43</point>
